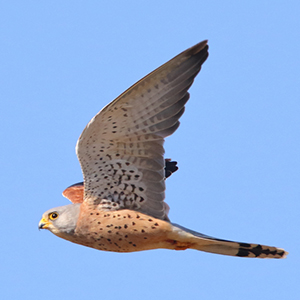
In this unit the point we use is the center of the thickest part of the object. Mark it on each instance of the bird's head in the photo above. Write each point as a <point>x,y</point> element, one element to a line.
<point>61,220</point>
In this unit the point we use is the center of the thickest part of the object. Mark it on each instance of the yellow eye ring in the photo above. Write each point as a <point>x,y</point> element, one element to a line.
<point>53,216</point>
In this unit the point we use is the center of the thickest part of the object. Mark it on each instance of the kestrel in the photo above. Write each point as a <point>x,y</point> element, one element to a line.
<point>120,207</point>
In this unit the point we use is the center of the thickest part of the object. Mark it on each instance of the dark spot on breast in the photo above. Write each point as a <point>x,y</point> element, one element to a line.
<point>133,223</point>
<point>125,226</point>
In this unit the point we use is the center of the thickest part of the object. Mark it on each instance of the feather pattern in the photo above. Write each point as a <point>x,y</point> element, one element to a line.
<point>121,149</point>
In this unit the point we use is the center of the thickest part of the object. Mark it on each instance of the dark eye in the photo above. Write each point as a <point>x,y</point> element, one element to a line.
<point>53,216</point>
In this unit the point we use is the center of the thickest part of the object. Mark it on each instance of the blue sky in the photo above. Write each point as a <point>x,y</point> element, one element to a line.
<point>237,146</point>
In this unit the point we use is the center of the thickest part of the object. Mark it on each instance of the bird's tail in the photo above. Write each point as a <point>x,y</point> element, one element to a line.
<point>198,241</point>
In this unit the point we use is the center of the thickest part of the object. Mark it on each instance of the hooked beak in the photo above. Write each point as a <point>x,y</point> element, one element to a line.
<point>44,224</point>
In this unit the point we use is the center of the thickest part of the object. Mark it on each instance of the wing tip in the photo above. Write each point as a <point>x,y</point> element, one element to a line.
<point>202,46</point>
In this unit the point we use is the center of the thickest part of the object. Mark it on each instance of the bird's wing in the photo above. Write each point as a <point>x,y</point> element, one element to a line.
<point>75,191</point>
<point>121,149</point>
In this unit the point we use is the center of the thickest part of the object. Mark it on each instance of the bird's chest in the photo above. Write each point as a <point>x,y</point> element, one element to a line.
<point>121,231</point>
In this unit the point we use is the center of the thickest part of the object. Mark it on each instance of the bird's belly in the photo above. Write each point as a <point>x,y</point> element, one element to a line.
<point>122,231</point>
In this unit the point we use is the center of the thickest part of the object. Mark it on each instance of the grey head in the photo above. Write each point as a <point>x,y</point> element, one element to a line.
<point>61,220</point>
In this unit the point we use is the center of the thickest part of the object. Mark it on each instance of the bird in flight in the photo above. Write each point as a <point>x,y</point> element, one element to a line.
<point>120,206</point>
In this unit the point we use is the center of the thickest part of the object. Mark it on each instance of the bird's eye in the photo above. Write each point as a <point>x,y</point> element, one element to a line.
<point>53,216</point>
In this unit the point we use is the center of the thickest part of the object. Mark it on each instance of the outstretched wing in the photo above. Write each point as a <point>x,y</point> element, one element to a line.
<point>121,149</point>
<point>75,192</point>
